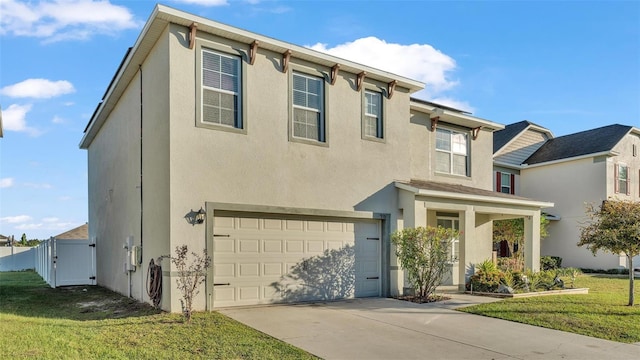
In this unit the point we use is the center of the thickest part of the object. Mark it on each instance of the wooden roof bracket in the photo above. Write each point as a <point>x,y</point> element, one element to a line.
<point>434,123</point>
<point>391,88</point>
<point>475,132</point>
<point>253,51</point>
<point>286,57</point>
<point>334,73</point>
<point>193,28</point>
<point>360,80</point>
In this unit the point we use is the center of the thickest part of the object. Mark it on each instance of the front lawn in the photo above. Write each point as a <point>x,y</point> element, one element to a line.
<point>602,313</point>
<point>37,322</point>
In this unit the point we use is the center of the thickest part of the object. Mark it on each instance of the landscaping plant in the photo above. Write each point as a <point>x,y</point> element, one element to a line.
<point>424,253</point>
<point>190,276</point>
<point>615,228</point>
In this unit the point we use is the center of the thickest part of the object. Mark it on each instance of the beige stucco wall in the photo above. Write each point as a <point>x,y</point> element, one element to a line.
<point>114,178</point>
<point>422,147</point>
<point>262,167</point>
<point>625,150</point>
<point>570,185</point>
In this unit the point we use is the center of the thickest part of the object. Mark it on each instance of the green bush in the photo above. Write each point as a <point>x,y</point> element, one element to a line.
<point>550,262</point>
<point>487,277</point>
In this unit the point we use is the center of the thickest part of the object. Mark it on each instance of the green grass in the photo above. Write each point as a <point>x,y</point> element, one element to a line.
<point>603,313</point>
<point>73,323</point>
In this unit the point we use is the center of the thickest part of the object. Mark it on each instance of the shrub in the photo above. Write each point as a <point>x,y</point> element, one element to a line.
<point>190,276</point>
<point>487,277</point>
<point>424,254</point>
<point>550,262</point>
<point>571,273</point>
<point>510,264</point>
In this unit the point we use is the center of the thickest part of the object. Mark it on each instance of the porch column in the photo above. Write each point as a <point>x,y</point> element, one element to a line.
<point>467,227</point>
<point>532,241</point>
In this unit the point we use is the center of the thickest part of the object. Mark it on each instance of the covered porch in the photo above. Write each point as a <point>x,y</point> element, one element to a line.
<point>471,211</point>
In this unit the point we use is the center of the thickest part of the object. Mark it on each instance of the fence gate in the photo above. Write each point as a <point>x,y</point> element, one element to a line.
<point>75,262</point>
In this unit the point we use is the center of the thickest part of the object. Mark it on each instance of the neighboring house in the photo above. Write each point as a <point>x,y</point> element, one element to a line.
<point>302,163</point>
<point>572,170</point>
<point>4,241</point>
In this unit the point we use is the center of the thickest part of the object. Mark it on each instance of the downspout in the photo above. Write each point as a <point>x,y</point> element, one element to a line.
<point>141,198</point>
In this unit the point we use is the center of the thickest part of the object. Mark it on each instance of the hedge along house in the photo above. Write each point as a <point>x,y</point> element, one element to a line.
<point>303,165</point>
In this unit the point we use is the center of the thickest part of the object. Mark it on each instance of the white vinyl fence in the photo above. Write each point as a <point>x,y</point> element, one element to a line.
<point>66,262</point>
<point>14,258</point>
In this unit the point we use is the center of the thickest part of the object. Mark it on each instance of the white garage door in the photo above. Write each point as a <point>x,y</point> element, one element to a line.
<point>262,259</point>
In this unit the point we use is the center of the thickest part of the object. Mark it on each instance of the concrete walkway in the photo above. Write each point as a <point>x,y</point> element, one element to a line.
<point>378,328</point>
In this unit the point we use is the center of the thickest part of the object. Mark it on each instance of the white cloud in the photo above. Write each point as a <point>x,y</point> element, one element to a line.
<point>420,62</point>
<point>16,219</point>
<point>6,182</point>
<point>57,20</point>
<point>38,88</point>
<point>50,219</point>
<point>47,225</point>
<point>204,2</point>
<point>58,120</point>
<point>416,61</point>
<point>14,119</point>
<point>38,186</point>
<point>456,104</point>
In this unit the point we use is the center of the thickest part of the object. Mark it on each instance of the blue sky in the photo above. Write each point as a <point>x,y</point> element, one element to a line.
<point>568,66</point>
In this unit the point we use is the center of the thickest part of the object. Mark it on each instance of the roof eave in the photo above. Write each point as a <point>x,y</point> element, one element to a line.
<point>458,196</point>
<point>457,117</point>
<point>573,158</point>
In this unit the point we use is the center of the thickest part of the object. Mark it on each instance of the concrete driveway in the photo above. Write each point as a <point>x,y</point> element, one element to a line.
<point>378,328</point>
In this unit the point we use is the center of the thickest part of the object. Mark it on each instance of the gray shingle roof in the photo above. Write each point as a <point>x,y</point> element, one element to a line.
<point>502,137</point>
<point>459,189</point>
<point>583,143</point>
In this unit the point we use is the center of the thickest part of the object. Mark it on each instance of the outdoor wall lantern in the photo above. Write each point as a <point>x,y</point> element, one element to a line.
<point>199,218</point>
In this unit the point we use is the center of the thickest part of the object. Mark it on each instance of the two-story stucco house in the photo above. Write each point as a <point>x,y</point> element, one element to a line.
<point>303,165</point>
<point>572,170</point>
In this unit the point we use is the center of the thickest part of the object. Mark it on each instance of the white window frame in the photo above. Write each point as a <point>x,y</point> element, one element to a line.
<point>322,123</point>
<point>237,121</point>
<point>454,252</point>
<point>619,180</point>
<point>502,183</point>
<point>379,116</point>
<point>451,152</point>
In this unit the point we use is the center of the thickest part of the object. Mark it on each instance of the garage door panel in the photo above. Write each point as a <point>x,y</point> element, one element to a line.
<point>267,260</point>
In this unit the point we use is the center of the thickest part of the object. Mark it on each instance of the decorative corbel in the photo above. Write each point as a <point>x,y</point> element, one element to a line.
<point>253,51</point>
<point>334,73</point>
<point>360,80</point>
<point>192,34</point>
<point>391,88</point>
<point>286,56</point>
<point>475,132</point>
<point>434,123</point>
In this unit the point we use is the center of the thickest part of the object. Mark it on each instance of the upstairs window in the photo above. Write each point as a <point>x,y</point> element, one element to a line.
<point>621,179</point>
<point>221,89</point>
<point>505,183</point>
<point>452,149</point>
<point>308,107</point>
<point>372,122</point>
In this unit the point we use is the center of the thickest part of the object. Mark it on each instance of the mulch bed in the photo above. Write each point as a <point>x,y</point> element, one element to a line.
<point>422,300</point>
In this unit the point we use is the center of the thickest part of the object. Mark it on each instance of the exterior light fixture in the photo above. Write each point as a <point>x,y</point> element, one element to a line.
<point>199,218</point>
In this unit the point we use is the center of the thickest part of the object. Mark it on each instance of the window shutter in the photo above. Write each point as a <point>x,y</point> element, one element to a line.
<point>628,182</point>
<point>498,181</point>
<point>615,178</point>
<point>513,184</point>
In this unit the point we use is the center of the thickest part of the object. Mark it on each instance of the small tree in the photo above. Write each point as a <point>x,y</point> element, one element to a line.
<point>615,228</point>
<point>424,254</point>
<point>190,276</point>
<point>23,240</point>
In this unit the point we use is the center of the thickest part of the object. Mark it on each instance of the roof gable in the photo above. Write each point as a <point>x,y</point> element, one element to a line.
<point>587,142</point>
<point>79,233</point>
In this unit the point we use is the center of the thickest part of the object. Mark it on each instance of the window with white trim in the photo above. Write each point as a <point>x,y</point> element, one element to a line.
<point>452,152</point>
<point>621,179</point>
<point>221,95</point>
<point>505,183</point>
<point>373,114</point>
<point>451,223</point>
<point>308,107</point>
